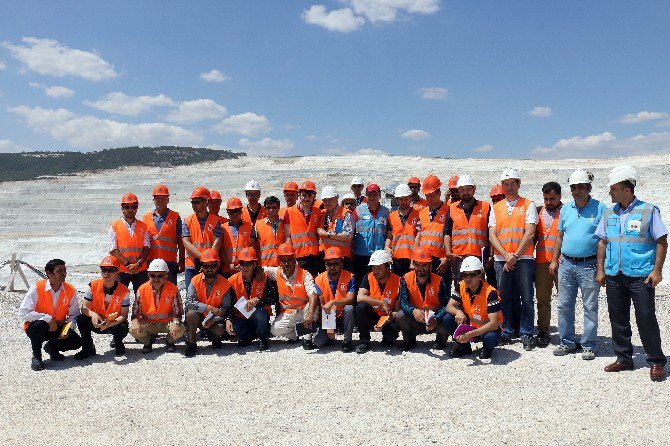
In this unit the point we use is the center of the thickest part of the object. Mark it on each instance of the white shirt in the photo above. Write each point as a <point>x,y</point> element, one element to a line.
<point>308,280</point>
<point>27,311</point>
<point>113,241</point>
<point>531,218</point>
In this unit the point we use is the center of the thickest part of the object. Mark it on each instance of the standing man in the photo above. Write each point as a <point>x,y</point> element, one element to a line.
<point>269,233</point>
<point>214,204</point>
<point>47,308</point>
<point>372,226</point>
<point>404,223</point>
<point>511,231</point>
<point>301,224</point>
<point>253,210</point>
<point>631,252</point>
<point>576,247</point>
<point>496,194</point>
<point>414,184</point>
<point>129,242</point>
<point>357,188</point>
<point>349,202</point>
<point>201,230</point>
<point>453,190</point>
<point>164,226</point>
<point>337,226</point>
<point>546,237</point>
<point>291,191</point>
<point>237,234</point>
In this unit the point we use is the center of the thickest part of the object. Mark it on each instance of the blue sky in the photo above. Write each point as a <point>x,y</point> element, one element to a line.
<point>529,79</point>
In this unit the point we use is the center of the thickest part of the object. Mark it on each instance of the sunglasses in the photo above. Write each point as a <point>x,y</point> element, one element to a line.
<point>108,270</point>
<point>357,186</point>
<point>234,211</point>
<point>157,276</point>
<point>333,264</point>
<point>197,201</point>
<point>253,194</point>
<point>129,206</point>
<point>468,275</point>
<point>414,187</point>
<point>209,266</point>
<point>243,264</point>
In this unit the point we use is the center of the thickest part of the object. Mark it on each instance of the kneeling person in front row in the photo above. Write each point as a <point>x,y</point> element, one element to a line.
<point>475,303</point>
<point>157,309</point>
<point>105,309</point>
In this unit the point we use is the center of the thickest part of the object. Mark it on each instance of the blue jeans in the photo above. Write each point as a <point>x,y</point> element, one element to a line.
<point>255,327</point>
<point>490,339</point>
<point>516,295</point>
<point>573,276</point>
<point>189,274</point>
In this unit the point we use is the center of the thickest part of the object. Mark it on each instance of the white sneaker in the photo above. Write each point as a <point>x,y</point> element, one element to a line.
<point>588,354</point>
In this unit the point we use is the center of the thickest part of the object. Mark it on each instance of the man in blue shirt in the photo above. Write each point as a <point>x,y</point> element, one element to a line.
<point>631,252</point>
<point>372,227</point>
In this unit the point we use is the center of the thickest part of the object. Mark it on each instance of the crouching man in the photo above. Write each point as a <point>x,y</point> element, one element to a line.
<point>157,309</point>
<point>475,303</point>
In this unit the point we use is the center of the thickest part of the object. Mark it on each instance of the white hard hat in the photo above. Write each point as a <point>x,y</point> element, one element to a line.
<point>158,266</point>
<point>471,263</point>
<point>349,196</point>
<point>328,192</point>
<point>509,173</point>
<point>357,180</point>
<point>623,173</point>
<point>465,180</point>
<point>402,190</point>
<point>580,176</point>
<point>252,185</point>
<point>380,257</point>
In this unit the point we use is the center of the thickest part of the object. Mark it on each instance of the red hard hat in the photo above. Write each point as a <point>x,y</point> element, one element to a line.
<point>414,180</point>
<point>372,187</point>
<point>422,255</point>
<point>285,250</point>
<point>308,185</point>
<point>247,255</point>
<point>234,203</point>
<point>215,195</point>
<point>161,191</point>
<point>110,261</point>
<point>291,186</point>
<point>333,253</point>
<point>209,255</point>
<point>453,181</point>
<point>129,198</point>
<point>430,184</point>
<point>200,192</point>
<point>497,190</point>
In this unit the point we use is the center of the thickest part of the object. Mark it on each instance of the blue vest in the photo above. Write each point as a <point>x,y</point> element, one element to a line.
<point>370,231</point>
<point>634,252</point>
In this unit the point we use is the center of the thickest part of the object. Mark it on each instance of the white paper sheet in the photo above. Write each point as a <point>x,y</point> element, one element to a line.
<point>240,305</point>
<point>328,321</point>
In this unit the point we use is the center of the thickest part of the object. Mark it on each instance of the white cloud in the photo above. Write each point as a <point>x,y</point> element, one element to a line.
<point>483,149</point>
<point>89,132</point>
<point>122,104</point>
<point>643,116</point>
<point>416,134</point>
<point>341,20</point>
<point>49,57</point>
<point>214,76</point>
<point>246,124</point>
<point>344,151</point>
<point>388,10</point>
<point>432,93</point>
<point>605,145</point>
<point>311,137</point>
<point>2,65</point>
<point>196,110</point>
<point>266,147</point>
<point>58,92</point>
<point>7,146</point>
<point>375,152</point>
<point>540,112</point>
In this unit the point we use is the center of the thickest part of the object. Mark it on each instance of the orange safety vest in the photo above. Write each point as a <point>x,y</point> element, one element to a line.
<point>163,243</point>
<point>221,286</point>
<point>431,299</point>
<point>327,242</point>
<point>282,212</point>
<point>389,294</point>
<point>546,239</point>
<point>162,313</point>
<point>130,247</point>
<point>45,301</point>
<point>98,302</point>
<point>510,228</point>
<point>477,310</point>
<point>246,215</point>
<point>269,242</point>
<point>468,238</point>
<point>304,238</point>
<point>200,238</point>
<point>420,204</point>
<point>231,245</point>
<point>340,291</point>
<point>402,243</point>
<point>237,283</point>
<point>292,299</point>
<point>432,232</point>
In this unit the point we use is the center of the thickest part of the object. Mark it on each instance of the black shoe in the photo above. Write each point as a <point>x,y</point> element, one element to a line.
<point>36,364</point>
<point>120,350</point>
<point>191,349</point>
<point>293,341</point>
<point>506,339</point>
<point>217,344</point>
<point>363,347</point>
<point>263,345</point>
<point>542,339</point>
<point>346,347</point>
<point>329,342</point>
<point>245,343</point>
<point>527,342</point>
<point>408,346</point>
<point>485,353</point>
<point>146,349</point>
<point>54,354</point>
<point>387,343</point>
<point>170,347</point>
<point>83,354</point>
<point>112,343</point>
<point>460,350</point>
<point>438,345</point>
<point>307,344</point>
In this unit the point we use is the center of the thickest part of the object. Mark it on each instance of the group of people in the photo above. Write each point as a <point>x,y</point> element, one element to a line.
<point>459,267</point>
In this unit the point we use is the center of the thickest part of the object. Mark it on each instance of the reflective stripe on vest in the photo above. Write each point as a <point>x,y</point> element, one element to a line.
<point>297,296</point>
<point>269,241</point>
<point>45,301</point>
<point>304,237</point>
<point>130,247</point>
<point>98,294</point>
<point>477,309</point>
<point>327,242</point>
<point>231,246</point>
<point>390,293</point>
<point>163,243</point>
<point>546,238</point>
<point>430,300</point>
<point>403,235</point>
<point>340,290</point>
<point>511,228</point>
<point>219,290</point>
<point>633,252</point>
<point>370,230</point>
<point>468,237</point>
<point>432,232</point>
<point>200,238</point>
<point>162,313</point>
<point>257,288</point>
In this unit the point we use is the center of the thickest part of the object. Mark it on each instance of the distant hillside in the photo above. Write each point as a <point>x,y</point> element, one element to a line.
<point>32,165</point>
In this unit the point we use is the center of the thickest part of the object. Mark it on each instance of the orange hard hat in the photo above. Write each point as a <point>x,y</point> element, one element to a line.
<point>285,250</point>
<point>453,181</point>
<point>234,203</point>
<point>129,198</point>
<point>308,185</point>
<point>333,253</point>
<point>209,255</point>
<point>430,184</point>
<point>497,190</point>
<point>215,195</point>
<point>247,255</point>
<point>291,186</point>
<point>200,192</point>
<point>422,255</point>
<point>161,191</point>
<point>414,180</point>
<point>110,261</point>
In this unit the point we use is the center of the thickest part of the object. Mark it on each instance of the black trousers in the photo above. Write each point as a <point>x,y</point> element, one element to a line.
<point>366,318</point>
<point>361,268</point>
<point>311,263</point>
<point>136,279</point>
<point>38,332</point>
<point>621,291</point>
<point>86,328</point>
<point>400,267</point>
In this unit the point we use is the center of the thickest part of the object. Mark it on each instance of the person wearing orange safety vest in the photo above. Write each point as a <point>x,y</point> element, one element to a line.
<point>164,226</point>
<point>129,242</point>
<point>423,299</point>
<point>208,302</point>
<point>546,236</point>
<point>404,223</point>
<point>291,192</point>
<point>452,196</point>
<point>414,184</point>
<point>237,235</point>
<point>200,230</point>
<point>298,299</point>
<point>157,309</point>
<point>214,205</point>
<point>337,291</point>
<point>511,232</point>
<point>301,224</point>
<point>104,310</point>
<point>253,210</point>
<point>337,226</point>
<point>269,233</point>
<point>48,309</point>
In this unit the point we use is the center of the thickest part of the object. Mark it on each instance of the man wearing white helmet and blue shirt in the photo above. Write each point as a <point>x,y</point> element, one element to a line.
<point>254,209</point>
<point>357,188</point>
<point>576,247</point>
<point>631,252</point>
<point>405,224</point>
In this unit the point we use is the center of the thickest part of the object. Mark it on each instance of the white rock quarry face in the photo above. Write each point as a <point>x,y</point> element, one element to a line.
<point>68,217</point>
